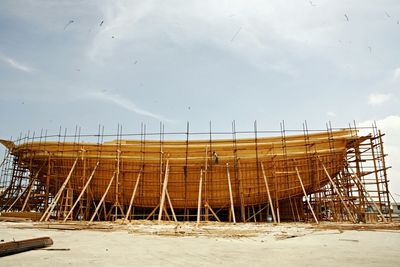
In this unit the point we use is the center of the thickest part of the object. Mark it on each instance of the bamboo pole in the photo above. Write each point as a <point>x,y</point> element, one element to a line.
<point>133,195</point>
<point>305,195</point>
<point>102,198</point>
<point>58,195</point>
<point>170,205</point>
<point>269,194</point>
<point>199,198</point>
<point>28,196</point>
<point>82,192</point>
<point>46,203</point>
<point>165,184</point>
<point>382,154</point>
<point>230,192</point>
<point>205,182</point>
<point>212,211</point>
<point>116,204</point>
<point>242,207</point>
<point>256,213</point>
<point>166,214</point>
<point>337,191</point>
<point>152,212</point>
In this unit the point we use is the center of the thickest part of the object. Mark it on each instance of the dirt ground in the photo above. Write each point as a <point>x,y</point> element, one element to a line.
<point>211,244</point>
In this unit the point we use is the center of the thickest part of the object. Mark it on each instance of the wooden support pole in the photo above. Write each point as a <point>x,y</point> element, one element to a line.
<point>305,195</point>
<point>199,198</point>
<point>46,203</point>
<point>170,205</point>
<point>116,203</point>
<point>133,195</point>
<point>337,191</point>
<point>165,184</point>
<point>102,198</point>
<point>205,182</point>
<point>166,214</point>
<point>382,154</point>
<point>242,207</point>
<point>28,196</point>
<point>269,194</point>
<point>152,212</point>
<point>256,213</point>
<point>47,213</point>
<point>368,195</point>
<point>230,193</point>
<point>212,211</point>
<point>82,192</point>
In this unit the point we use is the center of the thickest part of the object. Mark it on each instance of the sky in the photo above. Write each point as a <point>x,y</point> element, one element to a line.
<point>85,63</point>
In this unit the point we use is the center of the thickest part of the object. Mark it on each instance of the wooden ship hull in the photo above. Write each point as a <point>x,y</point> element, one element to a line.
<point>217,173</point>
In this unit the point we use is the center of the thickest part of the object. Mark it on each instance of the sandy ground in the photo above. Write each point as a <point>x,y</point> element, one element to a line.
<point>148,244</point>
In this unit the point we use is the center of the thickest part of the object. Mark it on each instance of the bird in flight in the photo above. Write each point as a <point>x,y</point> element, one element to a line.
<point>234,36</point>
<point>347,18</point>
<point>101,23</point>
<point>69,23</point>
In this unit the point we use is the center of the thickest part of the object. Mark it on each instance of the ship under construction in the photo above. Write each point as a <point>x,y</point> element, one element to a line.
<point>335,174</point>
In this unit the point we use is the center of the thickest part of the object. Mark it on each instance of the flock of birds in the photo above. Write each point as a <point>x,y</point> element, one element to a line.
<point>346,17</point>
<point>240,28</point>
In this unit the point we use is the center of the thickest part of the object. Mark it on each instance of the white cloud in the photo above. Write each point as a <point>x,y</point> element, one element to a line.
<point>390,126</point>
<point>331,114</point>
<point>15,64</point>
<point>126,104</point>
<point>378,99</point>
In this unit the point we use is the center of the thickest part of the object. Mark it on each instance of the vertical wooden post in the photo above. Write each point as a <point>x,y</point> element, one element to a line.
<point>269,194</point>
<point>242,207</point>
<point>382,154</point>
<point>205,183</point>
<point>230,193</point>
<point>305,195</point>
<point>199,198</point>
<point>117,181</point>
<point>162,201</point>
<point>46,201</point>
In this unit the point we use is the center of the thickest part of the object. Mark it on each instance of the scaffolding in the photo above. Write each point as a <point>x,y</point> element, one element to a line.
<point>237,176</point>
